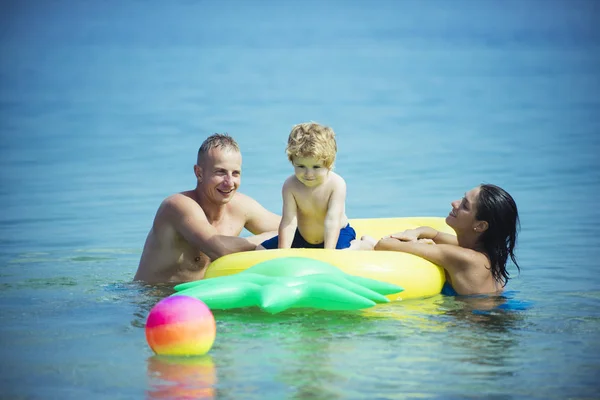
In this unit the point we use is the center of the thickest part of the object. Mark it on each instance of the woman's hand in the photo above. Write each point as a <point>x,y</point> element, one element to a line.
<point>409,235</point>
<point>426,241</point>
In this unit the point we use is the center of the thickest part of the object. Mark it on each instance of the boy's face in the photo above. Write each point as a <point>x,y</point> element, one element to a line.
<point>310,171</point>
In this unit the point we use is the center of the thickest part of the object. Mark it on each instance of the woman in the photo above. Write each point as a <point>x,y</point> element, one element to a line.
<point>485,222</point>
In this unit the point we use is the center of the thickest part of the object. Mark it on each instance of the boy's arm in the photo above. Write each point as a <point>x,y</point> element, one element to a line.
<point>335,212</point>
<point>289,222</point>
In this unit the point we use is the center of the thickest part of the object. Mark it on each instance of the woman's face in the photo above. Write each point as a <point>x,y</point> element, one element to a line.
<point>462,217</point>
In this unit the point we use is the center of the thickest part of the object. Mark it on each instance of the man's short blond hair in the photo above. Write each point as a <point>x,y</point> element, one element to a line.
<point>217,141</point>
<point>312,140</point>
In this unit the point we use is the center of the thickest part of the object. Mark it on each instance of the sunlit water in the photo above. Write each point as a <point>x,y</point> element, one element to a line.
<point>104,104</point>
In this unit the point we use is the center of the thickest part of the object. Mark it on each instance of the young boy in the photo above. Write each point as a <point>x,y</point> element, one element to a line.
<point>314,198</point>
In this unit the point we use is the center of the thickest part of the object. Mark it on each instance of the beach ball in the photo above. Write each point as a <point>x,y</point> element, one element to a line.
<point>180,326</point>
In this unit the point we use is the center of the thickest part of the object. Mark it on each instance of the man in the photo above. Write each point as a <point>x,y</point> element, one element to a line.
<point>194,227</point>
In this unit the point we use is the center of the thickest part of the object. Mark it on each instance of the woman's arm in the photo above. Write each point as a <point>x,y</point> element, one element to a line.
<point>447,256</point>
<point>425,232</point>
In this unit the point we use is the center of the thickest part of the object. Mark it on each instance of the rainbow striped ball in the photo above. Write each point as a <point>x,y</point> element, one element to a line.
<point>180,326</point>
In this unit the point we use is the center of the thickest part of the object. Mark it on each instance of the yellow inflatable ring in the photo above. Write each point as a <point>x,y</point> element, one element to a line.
<point>418,277</point>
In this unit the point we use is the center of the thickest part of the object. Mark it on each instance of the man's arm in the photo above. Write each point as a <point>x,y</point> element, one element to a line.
<point>190,222</point>
<point>335,212</point>
<point>258,219</point>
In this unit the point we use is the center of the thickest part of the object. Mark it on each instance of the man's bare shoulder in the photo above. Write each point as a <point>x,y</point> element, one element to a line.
<point>177,204</point>
<point>252,215</point>
<point>181,197</point>
<point>243,203</point>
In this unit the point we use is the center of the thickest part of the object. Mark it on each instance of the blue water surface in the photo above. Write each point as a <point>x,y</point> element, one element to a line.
<point>103,105</point>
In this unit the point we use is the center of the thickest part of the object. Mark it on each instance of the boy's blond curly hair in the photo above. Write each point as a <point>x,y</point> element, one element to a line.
<point>314,140</point>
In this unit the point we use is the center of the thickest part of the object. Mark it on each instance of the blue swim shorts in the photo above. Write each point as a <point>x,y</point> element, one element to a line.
<point>347,234</point>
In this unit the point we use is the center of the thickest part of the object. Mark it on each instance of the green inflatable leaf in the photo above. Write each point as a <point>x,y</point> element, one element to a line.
<point>375,285</point>
<point>289,282</point>
<point>226,294</point>
<point>326,296</point>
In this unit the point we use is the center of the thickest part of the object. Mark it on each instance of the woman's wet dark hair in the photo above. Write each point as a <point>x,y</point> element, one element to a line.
<point>499,209</point>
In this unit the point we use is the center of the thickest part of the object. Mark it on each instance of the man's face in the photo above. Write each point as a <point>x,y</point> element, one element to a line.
<point>219,175</point>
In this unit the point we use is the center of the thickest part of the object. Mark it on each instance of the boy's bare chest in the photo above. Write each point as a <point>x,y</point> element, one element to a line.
<point>313,201</point>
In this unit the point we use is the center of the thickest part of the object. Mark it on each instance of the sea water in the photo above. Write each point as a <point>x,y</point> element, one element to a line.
<point>103,106</point>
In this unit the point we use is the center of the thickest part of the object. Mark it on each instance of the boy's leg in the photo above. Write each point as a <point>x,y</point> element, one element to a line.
<point>364,243</point>
<point>347,235</point>
<point>269,244</point>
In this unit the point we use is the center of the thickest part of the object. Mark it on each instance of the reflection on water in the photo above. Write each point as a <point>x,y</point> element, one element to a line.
<point>485,337</point>
<point>170,377</point>
<point>324,354</point>
<point>146,297</point>
<point>311,354</point>
<point>415,315</point>
<point>181,378</point>
<point>311,349</point>
<point>491,313</point>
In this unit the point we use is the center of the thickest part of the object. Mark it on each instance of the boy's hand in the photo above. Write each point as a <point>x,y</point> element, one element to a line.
<point>426,241</point>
